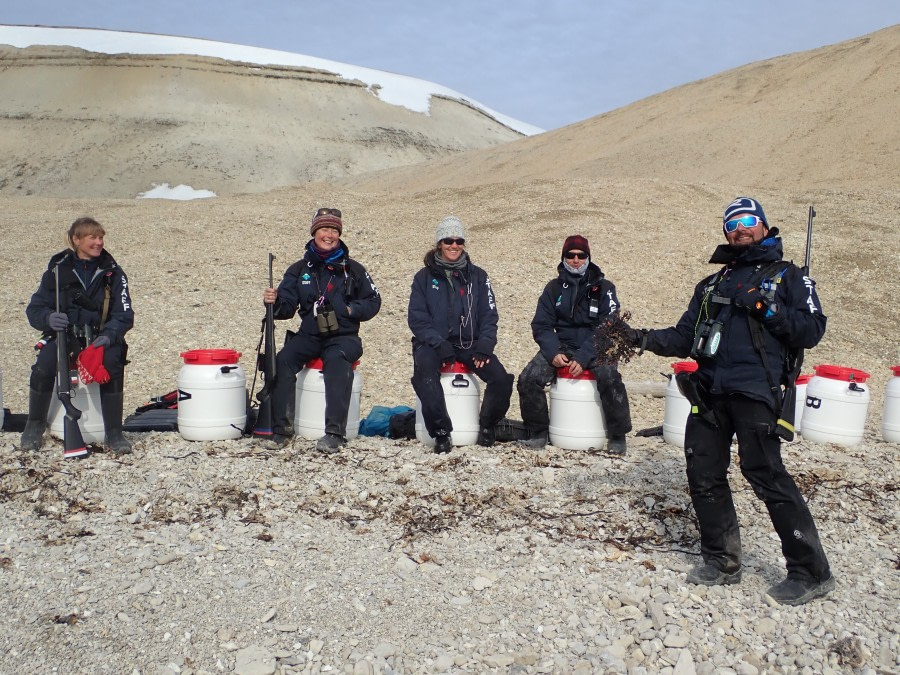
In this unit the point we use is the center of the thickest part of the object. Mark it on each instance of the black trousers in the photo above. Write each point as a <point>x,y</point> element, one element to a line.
<point>426,382</point>
<point>43,372</point>
<point>539,373</point>
<point>338,355</point>
<point>707,454</point>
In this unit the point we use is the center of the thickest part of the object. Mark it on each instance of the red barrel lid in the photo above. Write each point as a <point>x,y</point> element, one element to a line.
<point>803,379</point>
<point>896,370</point>
<point>685,366</point>
<point>456,367</point>
<point>564,373</point>
<point>210,357</point>
<point>841,373</point>
<point>316,364</point>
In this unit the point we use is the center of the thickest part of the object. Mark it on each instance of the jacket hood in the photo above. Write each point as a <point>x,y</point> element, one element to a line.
<point>769,249</point>
<point>106,261</point>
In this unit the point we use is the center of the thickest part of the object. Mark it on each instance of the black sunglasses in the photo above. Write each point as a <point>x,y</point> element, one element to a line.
<point>571,255</point>
<point>449,241</point>
<point>328,212</point>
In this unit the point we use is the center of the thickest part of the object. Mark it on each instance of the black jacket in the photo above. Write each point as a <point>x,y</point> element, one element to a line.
<point>83,300</point>
<point>738,366</point>
<point>345,284</point>
<point>462,314</point>
<point>564,321</point>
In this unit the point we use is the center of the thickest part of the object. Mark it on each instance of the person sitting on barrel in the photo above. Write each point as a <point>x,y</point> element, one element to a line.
<point>95,311</point>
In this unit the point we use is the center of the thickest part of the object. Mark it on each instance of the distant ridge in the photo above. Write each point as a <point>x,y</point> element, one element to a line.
<point>824,117</point>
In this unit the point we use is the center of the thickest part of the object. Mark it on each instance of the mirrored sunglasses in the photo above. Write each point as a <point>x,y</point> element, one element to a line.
<point>328,212</point>
<point>744,221</point>
<point>449,241</point>
<point>571,255</point>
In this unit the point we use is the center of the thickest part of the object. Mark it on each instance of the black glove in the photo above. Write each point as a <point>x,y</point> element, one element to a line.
<point>481,356</point>
<point>635,336</point>
<point>101,341</point>
<point>756,304</point>
<point>447,354</point>
<point>58,321</point>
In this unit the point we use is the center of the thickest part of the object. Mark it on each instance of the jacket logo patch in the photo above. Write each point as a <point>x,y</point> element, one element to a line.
<point>306,277</point>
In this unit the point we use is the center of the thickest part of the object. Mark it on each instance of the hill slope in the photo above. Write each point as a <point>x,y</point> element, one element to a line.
<point>81,124</point>
<point>812,119</point>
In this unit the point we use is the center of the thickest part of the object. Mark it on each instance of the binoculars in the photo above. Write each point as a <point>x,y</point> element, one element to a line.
<point>707,340</point>
<point>327,321</point>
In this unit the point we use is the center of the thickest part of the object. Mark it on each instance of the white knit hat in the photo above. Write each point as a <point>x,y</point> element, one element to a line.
<point>451,226</point>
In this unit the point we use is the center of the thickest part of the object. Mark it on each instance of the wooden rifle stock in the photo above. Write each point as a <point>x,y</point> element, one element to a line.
<point>264,419</point>
<point>785,425</point>
<point>73,442</point>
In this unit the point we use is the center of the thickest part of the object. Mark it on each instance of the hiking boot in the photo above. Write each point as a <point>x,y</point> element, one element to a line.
<point>799,591</point>
<point>536,442</point>
<point>276,441</point>
<point>616,445</point>
<point>442,444</point>
<point>330,443</point>
<point>111,401</point>
<point>36,425</point>
<point>486,436</point>
<point>710,575</point>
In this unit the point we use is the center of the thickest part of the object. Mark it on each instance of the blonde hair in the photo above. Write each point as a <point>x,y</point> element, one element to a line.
<point>83,227</point>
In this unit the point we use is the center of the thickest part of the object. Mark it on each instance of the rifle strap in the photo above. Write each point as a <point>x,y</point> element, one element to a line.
<point>104,314</point>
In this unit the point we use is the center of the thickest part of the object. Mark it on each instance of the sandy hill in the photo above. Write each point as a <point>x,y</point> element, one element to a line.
<point>78,123</point>
<point>811,119</point>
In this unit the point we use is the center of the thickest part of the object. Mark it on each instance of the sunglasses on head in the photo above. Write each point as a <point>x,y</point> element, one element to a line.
<point>449,241</point>
<point>328,212</point>
<point>744,221</point>
<point>571,255</point>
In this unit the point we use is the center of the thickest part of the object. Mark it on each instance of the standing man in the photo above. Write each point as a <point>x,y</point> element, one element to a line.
<point>332,294</point>
<point>739,326</point>
<point>567,315</point>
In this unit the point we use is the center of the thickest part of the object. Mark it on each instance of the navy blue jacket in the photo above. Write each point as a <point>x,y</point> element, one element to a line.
<point>82,300</point>
<point>738,366</point>
<point>440,315</point>
<point>563,321</point>
<point>345,284</point>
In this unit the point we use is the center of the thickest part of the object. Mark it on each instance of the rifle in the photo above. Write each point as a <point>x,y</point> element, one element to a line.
<point>266,363</point>
<point>73,442</point>
<point>784,427</point>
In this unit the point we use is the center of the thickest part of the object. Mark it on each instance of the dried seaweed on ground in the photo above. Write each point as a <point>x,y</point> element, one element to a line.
<point>611,340</point>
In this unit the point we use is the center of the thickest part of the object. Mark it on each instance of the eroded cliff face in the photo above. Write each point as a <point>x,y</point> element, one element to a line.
<point>81,124</point>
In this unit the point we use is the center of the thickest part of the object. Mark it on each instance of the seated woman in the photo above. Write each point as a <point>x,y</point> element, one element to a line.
<point>453,317</point>
<point>95,311</point>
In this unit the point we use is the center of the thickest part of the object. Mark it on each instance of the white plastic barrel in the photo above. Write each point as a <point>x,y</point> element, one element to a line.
<point>212,395</point>
<point>890,419</point>
<point>836,406</point>
<point>309,410</point>
<point>86,397</point>
<point>677,406</point>
<point>463,397</point>
<point>576,416</point>
<point>800,401</point>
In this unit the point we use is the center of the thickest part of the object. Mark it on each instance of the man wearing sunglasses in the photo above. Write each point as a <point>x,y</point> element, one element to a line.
<point>567,315</point>
<point>739,326</point>
<point>332,294</point>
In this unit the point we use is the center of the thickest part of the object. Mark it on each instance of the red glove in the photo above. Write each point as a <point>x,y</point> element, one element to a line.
<point>90,365</point>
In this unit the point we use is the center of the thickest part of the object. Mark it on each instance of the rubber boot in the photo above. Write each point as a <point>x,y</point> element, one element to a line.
<point>111,400</point>
<point>36,425</point>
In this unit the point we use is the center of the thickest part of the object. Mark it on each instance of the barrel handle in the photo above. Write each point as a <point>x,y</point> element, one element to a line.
<point>460,381</point>
<point>857,388</point>
<point>228,369</point>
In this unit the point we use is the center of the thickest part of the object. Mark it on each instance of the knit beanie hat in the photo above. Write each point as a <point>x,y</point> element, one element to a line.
<point>743,205</point>
<point>451,226</point>
<point>576,242</point>
<point>326,220</point>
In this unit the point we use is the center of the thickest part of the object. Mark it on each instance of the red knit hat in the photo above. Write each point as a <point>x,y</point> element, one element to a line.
<point>326,220</point>
<point>576,243</point>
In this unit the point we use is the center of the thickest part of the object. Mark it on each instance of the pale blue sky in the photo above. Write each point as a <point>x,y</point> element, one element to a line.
<point>546,62</point>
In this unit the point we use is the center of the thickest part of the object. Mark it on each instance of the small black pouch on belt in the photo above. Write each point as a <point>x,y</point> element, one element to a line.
<point>690,387</point>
